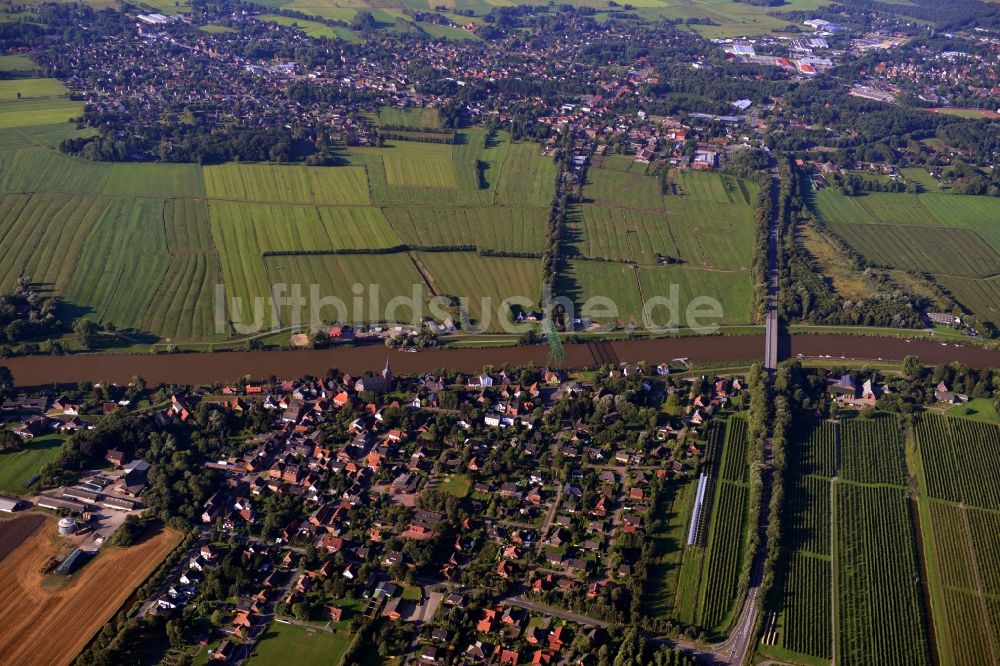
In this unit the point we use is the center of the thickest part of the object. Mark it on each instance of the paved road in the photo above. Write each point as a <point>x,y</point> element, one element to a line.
<point>771,321</point>
<point>527,604</point>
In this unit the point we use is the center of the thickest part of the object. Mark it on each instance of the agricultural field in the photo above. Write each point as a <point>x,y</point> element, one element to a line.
<point>502,228</point>
<point>960,459</point>
<point>123,262</point>
<point>616,284</point>
<point>269,183</point>
<point>806,624</point>
<point>809,514</point>
<point>958,252</point>
<point>812,447</point>
<point>461,274</point>
<point>735,460</point>
<point>663,577</point>
<point>27,102</point>
<point>417,118</point>
<point>872,450</point>
<point>730,289</point>
<point>805,620</point>
<point>335,276</point>
<point>880,612</point>
<point>707,225</point>
<point>287,643</point>
<point>183,306</point>
<point>961,545</point>
<point>725,554</point>
<point>17,63</point>
<point>953,238</point>
<point>526,177</point>
<point>171,232</point>
<point>314,29</point>
<point>50,626</point>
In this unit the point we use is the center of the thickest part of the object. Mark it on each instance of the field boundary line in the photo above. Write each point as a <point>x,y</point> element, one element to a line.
<point>424,273</point>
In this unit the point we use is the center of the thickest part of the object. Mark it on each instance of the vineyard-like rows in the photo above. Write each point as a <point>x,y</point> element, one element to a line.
<point>985,528</point>
<point>968,628</point>
<point>808,510</point>
<point>951,542</point>
<point>726,546</point>
<point>734,455</point>
<point>872,450</point>
<point>961,459</point>
<point>716,436</point>
<point>807,610</point>
<point>813,447</point>
<point>880,614</point>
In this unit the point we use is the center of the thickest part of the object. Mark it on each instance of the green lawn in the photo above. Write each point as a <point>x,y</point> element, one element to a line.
<point>455,484</point>
<point>291,644</point>
<point>981,409</point>
<point>17,467</point>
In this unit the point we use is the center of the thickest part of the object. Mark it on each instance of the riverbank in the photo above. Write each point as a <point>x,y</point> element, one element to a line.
<point>199,368</point>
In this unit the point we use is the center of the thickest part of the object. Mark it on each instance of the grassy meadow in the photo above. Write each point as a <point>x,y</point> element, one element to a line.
<point>953,239</point>
<point>625,225</point>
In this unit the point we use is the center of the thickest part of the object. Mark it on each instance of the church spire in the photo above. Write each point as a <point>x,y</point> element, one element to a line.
<point>387,372</point>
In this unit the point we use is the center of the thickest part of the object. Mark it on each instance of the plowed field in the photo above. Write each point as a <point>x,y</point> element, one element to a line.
<point>39,626</point>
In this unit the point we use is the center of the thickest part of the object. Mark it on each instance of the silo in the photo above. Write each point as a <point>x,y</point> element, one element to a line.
<point>67,526</point>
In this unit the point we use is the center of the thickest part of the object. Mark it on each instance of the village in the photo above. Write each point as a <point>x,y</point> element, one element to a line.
<point>489,518</point>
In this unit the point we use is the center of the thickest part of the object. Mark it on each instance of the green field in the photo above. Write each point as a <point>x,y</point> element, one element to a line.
<point>953,238</point>
<point>420,117</point>
<point>382,277</point>
<point>268,183</point>
<point>455,484</point>
<point>143,245</point>
<point>286,643</point>
<point>504,228</point>
<point>670,533</point>
<point>461,274</point>
<point>311,28</point>
<point>707,224</point>
<point>27,102</point>
<point>123,261</point>
<point>17,63</point>
<point>17,467</point>
<point>880,615</point>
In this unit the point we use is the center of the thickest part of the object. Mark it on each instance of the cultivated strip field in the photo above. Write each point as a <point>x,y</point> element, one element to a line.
<point>39,626</point>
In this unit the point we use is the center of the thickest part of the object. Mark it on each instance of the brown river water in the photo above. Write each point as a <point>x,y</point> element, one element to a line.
<point>219,367</point>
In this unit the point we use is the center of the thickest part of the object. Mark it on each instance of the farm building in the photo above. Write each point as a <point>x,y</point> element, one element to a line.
<point>120,503</point>
<point>57,504</point>
<point>9,504</point>
<point>75,560</point>
<point>135,474</point>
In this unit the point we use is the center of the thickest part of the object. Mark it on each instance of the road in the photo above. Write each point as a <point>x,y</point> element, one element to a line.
<point>771,319</point>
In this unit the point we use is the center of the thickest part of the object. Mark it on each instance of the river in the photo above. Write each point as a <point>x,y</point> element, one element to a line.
<point>219,367</point>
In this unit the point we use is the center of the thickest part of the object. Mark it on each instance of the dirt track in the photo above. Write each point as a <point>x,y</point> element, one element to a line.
<point>49,627</point>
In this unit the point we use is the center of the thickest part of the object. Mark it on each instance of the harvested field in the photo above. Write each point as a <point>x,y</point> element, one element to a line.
<point>39,626</point>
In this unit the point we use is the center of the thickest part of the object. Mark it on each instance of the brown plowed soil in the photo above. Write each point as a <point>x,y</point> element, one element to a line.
<point>50,627</point>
